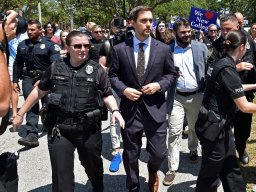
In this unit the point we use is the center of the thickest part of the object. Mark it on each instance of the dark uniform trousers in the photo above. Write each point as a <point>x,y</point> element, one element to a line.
<point>219,162</point>
<point>242,129</point>
<point>132,142</point>
<point>89,146</point>
<point>33,114</point>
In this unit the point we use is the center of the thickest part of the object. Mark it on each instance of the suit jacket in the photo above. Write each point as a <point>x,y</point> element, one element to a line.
<point>199,52</point>
<point>122,74</point>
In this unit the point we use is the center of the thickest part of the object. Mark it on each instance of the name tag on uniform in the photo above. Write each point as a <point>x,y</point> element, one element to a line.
<point>90,79</point>
<point>60,77</point>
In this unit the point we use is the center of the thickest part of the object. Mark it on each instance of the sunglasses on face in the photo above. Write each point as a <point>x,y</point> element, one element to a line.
<point>97,32</point>
<point>79,46</point>
<point>213,30</point>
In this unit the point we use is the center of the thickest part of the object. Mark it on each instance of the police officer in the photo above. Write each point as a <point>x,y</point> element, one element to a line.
<point>246,68</point>
<point>33,57</point>
<point>75,84</point>
<point>224,93</point>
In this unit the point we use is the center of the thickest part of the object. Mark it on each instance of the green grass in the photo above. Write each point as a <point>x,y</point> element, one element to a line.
<point>249,171</point>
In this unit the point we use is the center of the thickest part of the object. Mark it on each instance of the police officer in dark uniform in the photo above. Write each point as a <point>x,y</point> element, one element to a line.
<point>77,87</point>
<point>224,93</point>
<point>247,72</point>
<point>34,56</point>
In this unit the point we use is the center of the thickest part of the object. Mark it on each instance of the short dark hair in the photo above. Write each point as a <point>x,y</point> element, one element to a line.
<point>73,34</point>
<point>229,17</point>
<point>136,10</point>
<point>53,27</point>
<point>35,21</point>
<point>233,40</point>
<point>180,22</point>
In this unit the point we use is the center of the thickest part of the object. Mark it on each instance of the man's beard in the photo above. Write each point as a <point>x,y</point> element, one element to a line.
<point>182,41</point>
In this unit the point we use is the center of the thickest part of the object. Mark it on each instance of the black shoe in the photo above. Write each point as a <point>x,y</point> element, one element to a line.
<point>29,141</point>
<point>244,159</point>
<point>193,156</point>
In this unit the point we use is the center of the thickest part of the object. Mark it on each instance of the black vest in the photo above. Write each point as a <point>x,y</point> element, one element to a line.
<point>215,97</point>
<point>78,89</point>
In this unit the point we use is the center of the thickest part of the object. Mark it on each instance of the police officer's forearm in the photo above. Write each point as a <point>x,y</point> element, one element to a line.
<point>110,102</point>
<point>5,85</point>
<point>248,87</point>
<point>35,95</point>
<point>245,106</point>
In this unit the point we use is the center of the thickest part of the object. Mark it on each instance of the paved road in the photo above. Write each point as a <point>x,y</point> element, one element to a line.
<point>35,171</point>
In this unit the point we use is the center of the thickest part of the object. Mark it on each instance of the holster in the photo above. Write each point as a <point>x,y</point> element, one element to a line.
<point>36,74</point>
<point>92,117</point>
<point>209,124</point>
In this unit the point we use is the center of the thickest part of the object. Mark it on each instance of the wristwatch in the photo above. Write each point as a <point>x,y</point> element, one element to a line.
<point>2,47</point>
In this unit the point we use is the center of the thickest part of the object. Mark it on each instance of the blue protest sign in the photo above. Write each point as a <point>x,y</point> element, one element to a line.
<point>154,24</point>
<point>170,25</point>
<point>200,19</point>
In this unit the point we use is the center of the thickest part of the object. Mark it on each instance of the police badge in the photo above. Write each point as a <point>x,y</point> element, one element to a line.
<point>89,69</point>
<point>42,46</point>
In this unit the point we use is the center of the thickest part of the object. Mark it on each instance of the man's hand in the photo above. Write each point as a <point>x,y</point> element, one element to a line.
<point>17,121</point>
<point>243,66</point>
<point>16,87</point>
<point>118,117</point>
<point>151,88</point>
<point>132,94</point>
<point>36,83</point>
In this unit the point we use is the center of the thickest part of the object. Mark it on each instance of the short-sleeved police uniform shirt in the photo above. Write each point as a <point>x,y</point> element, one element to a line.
<point>35,55</point>
<point>102,77</point>
<point>230,86</point>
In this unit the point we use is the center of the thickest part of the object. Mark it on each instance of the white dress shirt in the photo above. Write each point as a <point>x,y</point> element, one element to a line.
<point>183,58</point>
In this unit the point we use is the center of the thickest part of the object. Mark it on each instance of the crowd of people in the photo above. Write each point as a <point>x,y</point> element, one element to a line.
<point>143,76</point>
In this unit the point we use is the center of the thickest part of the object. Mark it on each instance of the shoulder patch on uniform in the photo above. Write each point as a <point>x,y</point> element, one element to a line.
<point>57,47</point>
<point>247,45</point>
<point>89,69</point>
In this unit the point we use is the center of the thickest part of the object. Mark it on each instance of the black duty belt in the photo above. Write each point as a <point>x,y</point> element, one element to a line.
<point>186,94</point>
<point>70,120</point>
<point>35,73</point>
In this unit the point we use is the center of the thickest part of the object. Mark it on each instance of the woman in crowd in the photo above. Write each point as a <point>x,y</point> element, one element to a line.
<point>63,44</point>
<point>224,93</point>
<point>49,33</point>
<point>253,31</point>
<point>162,33</point>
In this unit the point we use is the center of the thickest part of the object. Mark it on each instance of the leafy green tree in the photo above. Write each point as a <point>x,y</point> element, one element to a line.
<point>102,12</point>
<point>180,8</point>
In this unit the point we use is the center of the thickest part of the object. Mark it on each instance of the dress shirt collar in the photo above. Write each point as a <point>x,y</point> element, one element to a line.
<point>137,41</point>
<point>177,46</point>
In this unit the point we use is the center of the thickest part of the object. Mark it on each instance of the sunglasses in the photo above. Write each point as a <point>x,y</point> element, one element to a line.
<point>79,46</point>
<point>213,30</point>
<point>97,32</point>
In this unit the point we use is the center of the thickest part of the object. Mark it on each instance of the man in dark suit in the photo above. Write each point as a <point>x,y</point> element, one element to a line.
<point>141,70</point>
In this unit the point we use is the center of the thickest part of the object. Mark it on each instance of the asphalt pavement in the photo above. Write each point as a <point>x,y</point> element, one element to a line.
<point>34,167</point>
